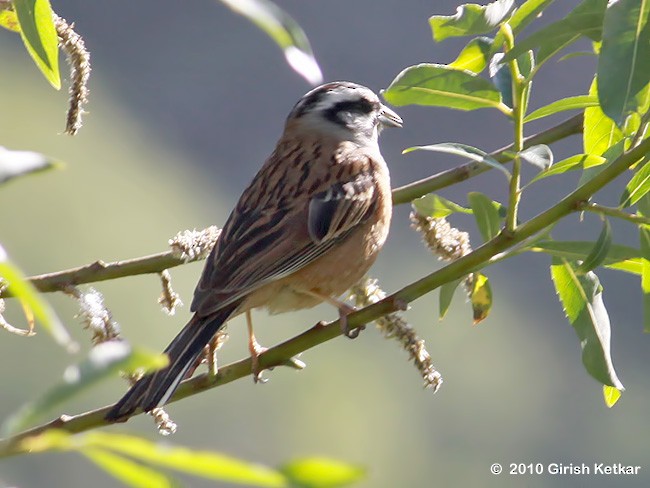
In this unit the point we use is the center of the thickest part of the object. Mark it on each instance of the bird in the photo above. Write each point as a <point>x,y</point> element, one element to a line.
<point>307,228</point>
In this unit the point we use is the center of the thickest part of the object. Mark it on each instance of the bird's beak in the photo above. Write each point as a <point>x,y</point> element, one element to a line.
<point>388,118</point>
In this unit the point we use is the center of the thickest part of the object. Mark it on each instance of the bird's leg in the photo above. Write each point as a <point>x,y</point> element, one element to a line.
<point>255,350</point>
<point>344,310</point>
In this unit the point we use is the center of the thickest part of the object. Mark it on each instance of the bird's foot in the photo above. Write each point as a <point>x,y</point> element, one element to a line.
<point>344,311</point>
<point>256,370</point>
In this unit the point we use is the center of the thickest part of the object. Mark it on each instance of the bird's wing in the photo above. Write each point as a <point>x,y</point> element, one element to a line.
<point>258,246</point>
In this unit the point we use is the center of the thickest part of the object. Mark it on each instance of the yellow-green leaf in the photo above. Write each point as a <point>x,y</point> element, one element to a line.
<point>207,464</point>
<point>32,301</point>
<point>39,36</point>
<point>435,206</point>
<point>581,298</point>
<point>9,21</point>
<point>611,395</point>
<point>481,298</point>
<point>599,131</point>
<point>474,56</point>
<point>128,471</point>
<point>322,473</point>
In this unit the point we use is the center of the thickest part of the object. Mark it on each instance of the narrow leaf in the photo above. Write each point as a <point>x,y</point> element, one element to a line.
<point>600,133</point>
<point>644,245</point>
<point>540,156</point>
<point>619,257</point>
<point>584,20</point>
<point>611,395</point>
<point>322,473</point>
<point>481,298</point>
<point>470,19</point>
<point>446,295</point>
<point>286,33</point>
<point>127,471</point>
<point>18,163</point>
<point>600,250</point>
<point>31,300</point>
<point>103,361</point>
<point>623,69</point>
<point>638,186</point>
<point>442,86</point>
<point>486,213</point>
<point>578,161</point>
<point>39,36</point>
<point>581,298</point>
<point>463,150</point>
<point>435,206</point>
<point>474,56</point>
<point>207,464</point>
<point>569,103</point>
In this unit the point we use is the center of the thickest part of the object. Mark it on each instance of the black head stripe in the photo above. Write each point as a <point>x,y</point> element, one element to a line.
<point>359,106</point>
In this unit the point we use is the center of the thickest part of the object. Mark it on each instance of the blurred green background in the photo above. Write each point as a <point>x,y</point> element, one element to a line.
<point>186,101</point>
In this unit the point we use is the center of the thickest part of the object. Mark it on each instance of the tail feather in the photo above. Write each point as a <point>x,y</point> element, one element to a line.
<point>153,390</point>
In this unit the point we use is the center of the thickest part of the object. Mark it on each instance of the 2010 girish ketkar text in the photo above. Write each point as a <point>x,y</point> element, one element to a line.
<point>594,468</point>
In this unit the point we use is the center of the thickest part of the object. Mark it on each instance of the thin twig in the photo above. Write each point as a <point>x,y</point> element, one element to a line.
<point>615,212</point>
<point>407,193</point>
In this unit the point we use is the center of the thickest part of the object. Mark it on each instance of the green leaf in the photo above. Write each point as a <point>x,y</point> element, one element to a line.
<point>463,150</point>
<point>103,361</point>
<point>470,19</point>
<point>446,295</point>
<point>623,258</point>
<point>18,163</point>
<point>207,464</point>
<point>611,395</point>
<point>39,36</point>
<point>441,86</point>
<point>521,18</point>
<point>600,250</point>
<point>486,213</point>
<point>286,33</point>
<point>581,298</point>
<point>9,21</point>
<point>127,471</point>
<point>481,298</point>
<point>644,245</point>
<point>584,20</point>
<point>569,103</point>
<point>474,56</point>
<point>435,206</point>
<point>623,68</point>
<point>34,305</point>
<point>539,155</point>
<point>637,187</point>
<point>578,161</point>
<point>600,132</point>
<point>321,473</point>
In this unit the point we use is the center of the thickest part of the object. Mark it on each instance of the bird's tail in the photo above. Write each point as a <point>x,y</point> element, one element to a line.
<point>153,390</point>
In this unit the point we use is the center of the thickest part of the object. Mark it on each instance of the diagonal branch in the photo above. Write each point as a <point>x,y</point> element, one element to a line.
<point>325,332</point>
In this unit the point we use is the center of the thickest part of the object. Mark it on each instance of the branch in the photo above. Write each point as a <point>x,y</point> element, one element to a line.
<point>615,212</point>
<point>406,193</point>
<point>324,332</point>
